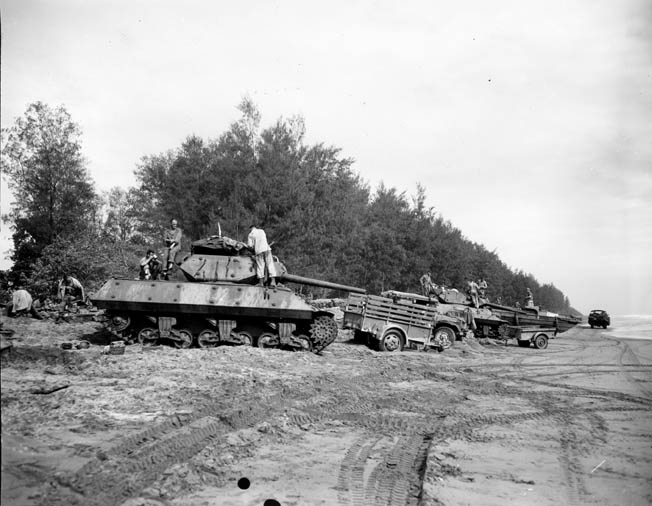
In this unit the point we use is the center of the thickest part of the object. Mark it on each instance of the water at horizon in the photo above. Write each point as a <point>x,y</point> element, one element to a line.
<point>630,327</point>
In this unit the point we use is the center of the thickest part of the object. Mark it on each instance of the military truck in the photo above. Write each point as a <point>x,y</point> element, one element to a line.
<point>394,323</point>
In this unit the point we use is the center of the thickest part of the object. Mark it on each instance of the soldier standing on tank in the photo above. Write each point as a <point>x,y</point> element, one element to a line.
<point>482,288</point>
<point>172,239</point>
<point>257,241</point>
<point>426,284</point>
<point>473,292</point>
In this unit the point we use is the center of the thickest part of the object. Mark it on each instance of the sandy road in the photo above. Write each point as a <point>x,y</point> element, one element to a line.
<point>473,425</point>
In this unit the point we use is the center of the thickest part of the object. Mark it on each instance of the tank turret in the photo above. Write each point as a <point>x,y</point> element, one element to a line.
<point>221,258</point>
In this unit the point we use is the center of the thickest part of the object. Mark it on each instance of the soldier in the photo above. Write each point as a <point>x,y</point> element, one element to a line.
<point>426,284</point>
<point>482,288</point>
<point>150,266</point>
<point>22,304</point>
<point>172,239</point>
<point>70,289</point>
<point>473,292</point>
<point>257,241</point>
<point>529,298</point>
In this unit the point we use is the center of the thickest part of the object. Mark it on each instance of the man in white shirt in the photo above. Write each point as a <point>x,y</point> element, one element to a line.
<point>69,286</point>
<point>71,292</point>
<point>257,241</point>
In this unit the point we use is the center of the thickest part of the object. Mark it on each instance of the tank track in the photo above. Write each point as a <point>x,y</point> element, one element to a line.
<point>323,331</point>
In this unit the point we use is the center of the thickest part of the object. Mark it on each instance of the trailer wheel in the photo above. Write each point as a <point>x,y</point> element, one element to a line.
<point>392,341</point>
<point>541,342</point>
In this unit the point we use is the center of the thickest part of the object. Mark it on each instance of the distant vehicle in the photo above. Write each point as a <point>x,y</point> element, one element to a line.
<point>599,318</point>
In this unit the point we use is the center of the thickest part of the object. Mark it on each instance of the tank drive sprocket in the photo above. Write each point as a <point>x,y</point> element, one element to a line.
<point>323,331</point>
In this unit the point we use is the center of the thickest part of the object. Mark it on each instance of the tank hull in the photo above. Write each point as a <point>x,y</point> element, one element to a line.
<point>208,299</point>
<point>213,313</point>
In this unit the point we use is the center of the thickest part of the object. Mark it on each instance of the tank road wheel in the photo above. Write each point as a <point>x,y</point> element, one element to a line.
<point>304,341</point>
<point>392,341</point>
<point>268,340</point>
<point>120,323</point>
<point>245,338</point>
<point>323,332</point>
<point>208,338</point>
<point>148,336</point>
<point>119,326</point>
<point>541,342</point>
<point>183,339</point>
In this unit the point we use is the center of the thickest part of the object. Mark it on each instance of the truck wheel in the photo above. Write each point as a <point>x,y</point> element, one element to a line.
<point>446,336</point>
<point>541,342</point>
<point>391,341</point>
<point>524,344</point>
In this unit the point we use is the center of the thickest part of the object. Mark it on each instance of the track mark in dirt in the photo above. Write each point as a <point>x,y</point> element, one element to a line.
<point>521,375</point>
<point>135,463</point>
<point>350,482</point>
<point>591,392</point>
<point>627,350</point>
<point>571,467</point>
<point>395,478</point>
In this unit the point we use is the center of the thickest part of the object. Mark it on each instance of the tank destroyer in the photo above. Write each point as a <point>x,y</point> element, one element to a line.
<point>218,302</point>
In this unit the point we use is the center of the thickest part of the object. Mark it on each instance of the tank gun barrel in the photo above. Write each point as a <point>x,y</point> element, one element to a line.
<point>318,282</point>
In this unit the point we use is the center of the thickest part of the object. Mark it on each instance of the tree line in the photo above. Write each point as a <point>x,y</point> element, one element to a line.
<point>324,219</point>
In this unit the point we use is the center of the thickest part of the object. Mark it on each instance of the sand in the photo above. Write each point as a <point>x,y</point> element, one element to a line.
<point>477,424</point>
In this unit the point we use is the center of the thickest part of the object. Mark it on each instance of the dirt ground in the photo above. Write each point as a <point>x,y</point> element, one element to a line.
<point>477,424</point>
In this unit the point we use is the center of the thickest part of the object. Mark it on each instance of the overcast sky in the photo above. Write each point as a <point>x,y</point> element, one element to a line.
<point>528,122</point>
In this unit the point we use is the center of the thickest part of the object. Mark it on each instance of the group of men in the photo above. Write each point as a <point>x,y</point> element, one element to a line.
<point>70,292</point>
<point>151,267</point>
<point>475,290</point>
